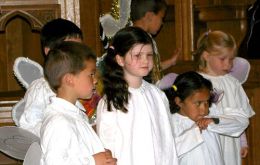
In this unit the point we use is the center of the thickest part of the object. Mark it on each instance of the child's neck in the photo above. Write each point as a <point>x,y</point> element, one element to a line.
<point>66,96</point>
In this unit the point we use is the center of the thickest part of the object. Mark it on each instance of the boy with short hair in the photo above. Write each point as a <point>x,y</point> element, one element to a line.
<point>38,95</point>
<point>66,136</point>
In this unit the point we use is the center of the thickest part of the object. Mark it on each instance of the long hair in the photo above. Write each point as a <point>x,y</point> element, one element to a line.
<point>184,86</point>
<point>115,86</point>
<point>213,41</point>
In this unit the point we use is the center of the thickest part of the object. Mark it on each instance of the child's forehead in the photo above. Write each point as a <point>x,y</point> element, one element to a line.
<point>224,51</point>
<point>74,39</point>
<point>142,48</point>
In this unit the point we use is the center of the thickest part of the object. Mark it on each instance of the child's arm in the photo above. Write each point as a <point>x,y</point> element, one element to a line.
<point>231,123</point>
<point>171,61</point>
<point>244,145</point>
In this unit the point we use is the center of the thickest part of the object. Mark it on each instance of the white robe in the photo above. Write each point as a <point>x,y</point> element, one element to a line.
<point>66,136</point>
<point>143,134</point>
<point>193,146</point>
<point>36,98</point>
<point>236,100</point>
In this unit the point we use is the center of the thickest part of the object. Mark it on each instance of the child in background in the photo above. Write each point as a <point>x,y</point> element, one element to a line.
<point>214,58</point>
<point>133,115</point>
<point>38,95</point>
<point>195,132</point>
<point>148,15</point>
<point>66,136</point>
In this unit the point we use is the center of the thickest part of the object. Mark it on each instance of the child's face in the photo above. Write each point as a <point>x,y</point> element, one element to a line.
<point>196,106</point>
<point>156,22</point>
<point>138,61</point>
<point>85,81</point>
<point>219,63</point>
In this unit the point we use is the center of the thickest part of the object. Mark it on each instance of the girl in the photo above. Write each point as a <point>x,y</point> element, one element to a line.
<point>214,58</point>
<point>132,116</point>
<point>196,134</point>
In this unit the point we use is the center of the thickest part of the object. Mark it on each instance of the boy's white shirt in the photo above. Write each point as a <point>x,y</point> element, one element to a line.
<point>66,136</point>
<point>36,98</point>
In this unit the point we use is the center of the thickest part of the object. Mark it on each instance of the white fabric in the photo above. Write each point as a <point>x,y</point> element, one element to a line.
<point>66,136</point>
<point>33,155</point>
<point>36,98</point>
<point>143,134</point>
<point>193,146</point>
<point>234,101</point>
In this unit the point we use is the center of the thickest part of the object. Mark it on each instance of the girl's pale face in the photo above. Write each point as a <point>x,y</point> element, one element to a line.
<point>196,106</point>
<point>138,61</point>
<point>220,63</point>
<point>85,81</point>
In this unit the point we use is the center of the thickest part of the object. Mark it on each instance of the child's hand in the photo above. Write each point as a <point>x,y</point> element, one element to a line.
<point>244,152</point>
<point>104,158</point>
<point>175,56</point>
<point>203,123</point>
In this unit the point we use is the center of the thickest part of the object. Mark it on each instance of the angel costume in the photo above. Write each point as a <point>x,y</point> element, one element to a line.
<point>234,98</point>
<point>36,98</point>
<point>66,136</point>
<point>204,148</point>
<point>142,135</point>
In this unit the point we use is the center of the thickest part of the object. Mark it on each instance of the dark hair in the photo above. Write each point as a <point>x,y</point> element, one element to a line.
<point>115,86</point>
<point>57,30</point>
<point>184,85</point>
<point>213,41</point>
<point>68,57</point>
<point>140,7</point>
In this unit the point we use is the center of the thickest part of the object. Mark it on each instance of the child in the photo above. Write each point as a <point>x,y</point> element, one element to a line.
<point>197,134</point>
<point>148,15</point>
<point>66,136</point>
<point>132,116</point>
<point>37,96</point>
<point>214,58</point>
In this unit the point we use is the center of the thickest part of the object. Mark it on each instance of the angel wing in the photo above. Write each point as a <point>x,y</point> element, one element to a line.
<point>33,155</point>
<point>27,70</point>
<point>241,69</point>
<point>15,141</point>
<point>167,81</point>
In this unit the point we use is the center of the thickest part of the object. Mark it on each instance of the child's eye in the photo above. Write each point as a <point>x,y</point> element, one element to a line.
<point>92,75</point>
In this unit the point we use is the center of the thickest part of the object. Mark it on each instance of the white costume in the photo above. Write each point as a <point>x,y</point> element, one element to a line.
<point>234,98</point>
<point>36,98</point>
<point>66,136</point>
<point>142,135</point>
<point>194,147</point>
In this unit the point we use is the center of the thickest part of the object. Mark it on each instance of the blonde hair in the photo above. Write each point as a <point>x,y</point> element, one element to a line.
<point>213,41</point>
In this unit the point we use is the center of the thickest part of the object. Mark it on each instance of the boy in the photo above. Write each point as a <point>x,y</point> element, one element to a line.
<point>66,136</point>
<point>37,96</point>
<point>148,15</point>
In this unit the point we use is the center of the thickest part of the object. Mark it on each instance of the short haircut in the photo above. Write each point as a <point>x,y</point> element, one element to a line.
<point>57,30</point>
<point>68,57</point>
<point>140,7</point>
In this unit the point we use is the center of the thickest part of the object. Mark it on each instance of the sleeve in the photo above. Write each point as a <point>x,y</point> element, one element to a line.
<point>232,123</point>
<point>36,98</point>
<point>188,140</point>
<point>107,127</point>
<point>242,100</point>
<point>60,144</point>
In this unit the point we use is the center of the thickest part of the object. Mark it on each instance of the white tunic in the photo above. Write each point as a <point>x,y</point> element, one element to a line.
<point>193,146</point>
<point>142,135</point>
<point>66,136</point>
<point>36,98</point>
<point>236,99</point>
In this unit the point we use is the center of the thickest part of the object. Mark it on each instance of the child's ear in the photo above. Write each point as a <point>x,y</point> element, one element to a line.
<point>178,101</point>
<point>120,60</point>
<point>68,79</point>
<point>205,55</point>
<point>148,16</point>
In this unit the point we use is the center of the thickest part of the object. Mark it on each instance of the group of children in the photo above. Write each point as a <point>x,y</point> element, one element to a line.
<point>137,123</point>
